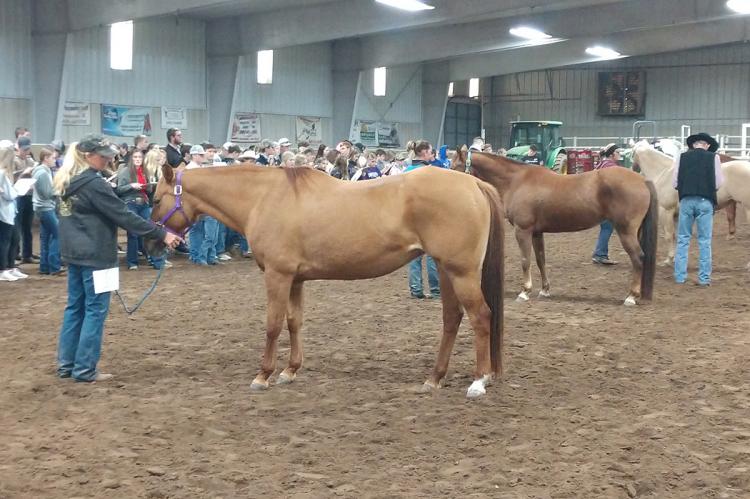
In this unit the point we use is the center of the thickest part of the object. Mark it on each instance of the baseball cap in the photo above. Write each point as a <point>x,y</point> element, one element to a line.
<point>96,144</point>
<point>24,143</point>
<point>284,142</point>
<point>197,149</point>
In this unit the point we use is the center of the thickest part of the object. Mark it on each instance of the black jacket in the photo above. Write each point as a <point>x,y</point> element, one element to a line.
<point>174,158</point>
<point>90,213</point>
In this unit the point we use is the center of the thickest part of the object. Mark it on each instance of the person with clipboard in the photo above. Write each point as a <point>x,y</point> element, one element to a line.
<point>90,213</point>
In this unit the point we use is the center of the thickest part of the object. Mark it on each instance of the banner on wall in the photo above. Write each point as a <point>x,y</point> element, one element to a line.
<point>308,130</point>
<point>174,117</point>
<point>375,133</point>
<point>245,127</point>
<point>76,114</point>
<point>126,121</point>
<point>365,132</point>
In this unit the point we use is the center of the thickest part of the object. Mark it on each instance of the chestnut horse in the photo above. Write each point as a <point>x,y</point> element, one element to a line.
<point>286,215</point>
<point>538,200</point>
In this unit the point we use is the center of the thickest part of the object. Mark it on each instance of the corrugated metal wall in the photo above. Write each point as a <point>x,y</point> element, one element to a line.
<point>15,46</point>
<point>13,113</point>
<point>169,65</point>
<point>707,89</point>
<point>302,83</point>
<point>196,131</point>
<point>402,101</point>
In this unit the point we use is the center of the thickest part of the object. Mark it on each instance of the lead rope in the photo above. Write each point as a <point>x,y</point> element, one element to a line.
<point>143,298</point>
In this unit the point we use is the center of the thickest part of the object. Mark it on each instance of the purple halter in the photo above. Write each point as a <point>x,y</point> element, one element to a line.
<point>177,207</point>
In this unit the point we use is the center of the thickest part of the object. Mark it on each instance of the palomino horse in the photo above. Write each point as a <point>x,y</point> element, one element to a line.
<point>538,200</point>
<point>659,168</point>
<point>285,213</point>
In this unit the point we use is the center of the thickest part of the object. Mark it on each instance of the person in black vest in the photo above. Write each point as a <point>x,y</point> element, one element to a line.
<point>697,177</point>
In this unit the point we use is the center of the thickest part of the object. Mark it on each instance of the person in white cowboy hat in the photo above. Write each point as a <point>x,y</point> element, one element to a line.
<point>610,155</point>
<point>697,177</point>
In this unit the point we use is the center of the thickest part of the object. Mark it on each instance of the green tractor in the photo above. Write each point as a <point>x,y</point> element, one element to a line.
<point>546,136</point>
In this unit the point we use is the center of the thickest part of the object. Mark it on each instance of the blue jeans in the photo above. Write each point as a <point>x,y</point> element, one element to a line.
<point>221,238</point>
<point>415,276</point>
<point>80,342</point>
<point>602,244</point>
<point>135,242</point>
<point>49,254</point>
<point>195,240</point>
<point>234,237</point>
<point>698,210</point>
<point>210,234</point>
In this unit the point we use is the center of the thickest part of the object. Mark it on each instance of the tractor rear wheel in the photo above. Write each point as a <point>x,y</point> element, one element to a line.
<point>561,164</point>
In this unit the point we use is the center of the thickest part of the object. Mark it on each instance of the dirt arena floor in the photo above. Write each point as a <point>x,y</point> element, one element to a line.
<point>598,400</point>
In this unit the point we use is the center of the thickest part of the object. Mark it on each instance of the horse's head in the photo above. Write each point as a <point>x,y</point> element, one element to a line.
<point>172,208</point>
<point>459,160</point>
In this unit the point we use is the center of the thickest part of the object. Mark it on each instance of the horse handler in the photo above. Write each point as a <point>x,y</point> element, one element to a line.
<point>90,213</point>
<point>697,177</point>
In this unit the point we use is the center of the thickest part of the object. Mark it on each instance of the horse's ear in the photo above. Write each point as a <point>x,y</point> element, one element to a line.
<point>167,173</point>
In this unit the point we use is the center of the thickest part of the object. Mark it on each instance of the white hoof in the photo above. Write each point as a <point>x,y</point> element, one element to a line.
<point>258,386</point>
<point>523,296</point>
<point>428,387</point>
<point>285,378</point>
<point>477,388</point>
<point>629,301</point>
<point>544,294</point>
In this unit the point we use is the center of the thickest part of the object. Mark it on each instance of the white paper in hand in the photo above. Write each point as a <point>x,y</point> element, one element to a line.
<point>106,280</point>
<point>24,185</point>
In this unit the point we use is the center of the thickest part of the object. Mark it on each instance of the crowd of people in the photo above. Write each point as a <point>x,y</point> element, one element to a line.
<point>80,199</point>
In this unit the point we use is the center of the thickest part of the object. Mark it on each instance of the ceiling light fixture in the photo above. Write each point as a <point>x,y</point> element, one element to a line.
<point>739,6</point>
<point>529,33</point>
<point>410,5</point>
<point>603,52</point>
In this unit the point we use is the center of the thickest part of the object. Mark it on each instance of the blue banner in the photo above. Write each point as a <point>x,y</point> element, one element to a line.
<point>126,121</point>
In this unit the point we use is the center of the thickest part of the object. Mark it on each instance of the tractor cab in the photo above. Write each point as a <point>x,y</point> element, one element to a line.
<point>545,135</point>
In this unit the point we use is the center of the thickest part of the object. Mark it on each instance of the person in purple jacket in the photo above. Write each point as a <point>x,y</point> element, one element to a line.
<point>610,155</point>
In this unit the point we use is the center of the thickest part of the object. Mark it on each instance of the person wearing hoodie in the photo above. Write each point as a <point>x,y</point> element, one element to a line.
<point>8,210</point>
<point>90,213</point>
<point>45,203</point>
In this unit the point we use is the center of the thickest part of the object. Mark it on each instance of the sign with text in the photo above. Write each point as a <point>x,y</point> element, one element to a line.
<point>126,121</point>
<point>375,133</point>
<point>308,130</point>
<point>245,127</point>
<point>174,117</point>
<point>76,114</point>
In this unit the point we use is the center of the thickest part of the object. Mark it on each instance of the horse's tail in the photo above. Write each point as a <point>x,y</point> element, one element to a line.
<point>492,275</point>
<point>648,237</point>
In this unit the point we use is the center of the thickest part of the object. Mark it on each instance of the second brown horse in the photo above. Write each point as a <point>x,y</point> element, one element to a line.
<point>538,200</point>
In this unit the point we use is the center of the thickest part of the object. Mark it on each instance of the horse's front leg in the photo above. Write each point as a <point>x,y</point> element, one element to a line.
<point>278,286</point>
<point>537,242</point>
<point>524,244</point>
<point>294,323</point>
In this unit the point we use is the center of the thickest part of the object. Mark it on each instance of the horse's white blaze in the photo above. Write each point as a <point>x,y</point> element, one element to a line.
<point>523,296</point>
<point>630,301</point>
<point>477,388</point>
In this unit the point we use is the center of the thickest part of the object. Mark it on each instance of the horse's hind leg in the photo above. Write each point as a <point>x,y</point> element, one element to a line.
<point>668,221</point>
<point>277,291</point>
<point>452,315</point>
<point>469,293</point>
<point>731,210</point>
<point>294,323</point>
<point>524,244</point>
<point>537,241</point>
<point>629,240</point>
